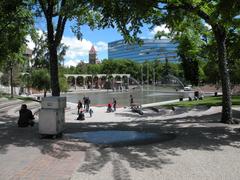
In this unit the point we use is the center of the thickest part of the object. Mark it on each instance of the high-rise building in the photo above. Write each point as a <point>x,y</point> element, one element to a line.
<point>150,50</point>
<point>92,55</point>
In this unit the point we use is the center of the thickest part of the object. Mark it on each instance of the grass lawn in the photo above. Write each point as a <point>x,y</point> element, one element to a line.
<point>207,101</point>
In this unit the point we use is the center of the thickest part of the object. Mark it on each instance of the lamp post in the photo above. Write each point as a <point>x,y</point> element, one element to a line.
<point>142,74</point>
<point>154,80</point>
<point>147,74</point>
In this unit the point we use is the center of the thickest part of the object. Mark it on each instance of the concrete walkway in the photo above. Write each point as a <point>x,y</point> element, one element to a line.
<point>202,147</point>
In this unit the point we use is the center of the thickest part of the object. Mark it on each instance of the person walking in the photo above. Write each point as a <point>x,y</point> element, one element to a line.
<point>84,99</point>
<point>114,104</point>
<point>131,100</point>
<point>87,103</point>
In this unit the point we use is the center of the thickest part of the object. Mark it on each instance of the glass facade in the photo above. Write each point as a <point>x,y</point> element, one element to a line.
<point>150,50</point>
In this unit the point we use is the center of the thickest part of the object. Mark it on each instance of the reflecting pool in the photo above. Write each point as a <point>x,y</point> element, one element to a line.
<point>147,95</point>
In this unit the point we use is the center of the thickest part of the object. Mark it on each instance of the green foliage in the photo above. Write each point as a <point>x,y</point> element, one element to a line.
<point>93,69</point>
<point>11,67</point>
<point>63,84</point>
<point>125,66</point>
<point>109,67</point>
<point>207,101</point>
<point>41,54</point>
<point>40,79</point>
<point>116,14</point>
<point>63,81</point>
<point>16,22</point>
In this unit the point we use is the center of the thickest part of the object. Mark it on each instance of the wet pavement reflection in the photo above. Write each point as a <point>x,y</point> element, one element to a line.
<point>121,138</point>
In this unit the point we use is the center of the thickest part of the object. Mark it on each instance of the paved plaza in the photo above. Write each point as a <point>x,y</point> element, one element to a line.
<point>201,148</point>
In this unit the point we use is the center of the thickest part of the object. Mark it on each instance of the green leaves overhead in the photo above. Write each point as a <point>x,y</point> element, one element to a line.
<point>16,22</point>
<point>126,16</point>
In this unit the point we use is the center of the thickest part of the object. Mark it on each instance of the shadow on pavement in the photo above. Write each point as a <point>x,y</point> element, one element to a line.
<point>192,133</point>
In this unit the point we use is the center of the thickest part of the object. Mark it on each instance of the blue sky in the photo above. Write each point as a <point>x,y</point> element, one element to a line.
<point>78,49</point>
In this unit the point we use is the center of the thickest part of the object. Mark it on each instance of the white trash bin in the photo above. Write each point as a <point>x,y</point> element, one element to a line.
<point>52,116</point>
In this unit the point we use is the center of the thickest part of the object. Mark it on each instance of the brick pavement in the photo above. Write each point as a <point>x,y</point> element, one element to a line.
<point>24,156</point>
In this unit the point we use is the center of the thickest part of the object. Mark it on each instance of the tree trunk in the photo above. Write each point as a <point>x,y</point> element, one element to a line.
<point>11,81</point>
<point>52,47</point>
<point>54,71</point>
<point>45,93</point>
<point>220,35</point>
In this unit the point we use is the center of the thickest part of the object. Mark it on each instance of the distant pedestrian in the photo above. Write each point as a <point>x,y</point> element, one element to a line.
<point>81,116</point>
<point>79,106</point>
<point>109,107</point>
<point>90,112</point>
<point>131,100</point>
<point>84,98</point>
<point>114,104</point>
<point>87,103</point>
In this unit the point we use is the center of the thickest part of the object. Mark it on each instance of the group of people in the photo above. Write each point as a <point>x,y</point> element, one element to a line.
<point>111,107</point>
<point>85,106</point>
<point>26,116</point>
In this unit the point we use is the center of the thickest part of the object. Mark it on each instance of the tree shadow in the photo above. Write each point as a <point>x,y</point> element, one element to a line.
<point>203,133</point>
<point>10,134</point>
<point>192,133</point>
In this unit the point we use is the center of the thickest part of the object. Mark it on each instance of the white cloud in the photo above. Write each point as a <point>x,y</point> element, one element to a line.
<point>101,46</point>
<point>30,42</point>
<point>71,63</point>
<point>159,28</point>
<point>76,48</point>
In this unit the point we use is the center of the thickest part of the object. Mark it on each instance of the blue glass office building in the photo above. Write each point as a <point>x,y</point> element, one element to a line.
<point>150,50</point>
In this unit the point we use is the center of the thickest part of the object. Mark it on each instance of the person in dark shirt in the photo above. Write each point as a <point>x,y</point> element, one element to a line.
<point>25,117</point>
<point>114,104</point>
<point>81,116</point>
<point>79,106</point>
<point>131,100</point>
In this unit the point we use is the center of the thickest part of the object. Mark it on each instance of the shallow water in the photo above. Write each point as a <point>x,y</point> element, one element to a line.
<point>119,138</point>
<point>148,95</point>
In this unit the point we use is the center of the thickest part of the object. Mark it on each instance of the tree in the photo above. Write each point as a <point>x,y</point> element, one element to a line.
<point>16,22</point>
<point>109,67</point>
<point>41,53</point>
<point>41,80</point>
<point>218,14</point>
<point>11,68</point>
<point>58,11</point>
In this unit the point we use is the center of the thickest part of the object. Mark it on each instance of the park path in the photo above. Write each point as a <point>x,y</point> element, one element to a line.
<point>202,148</point>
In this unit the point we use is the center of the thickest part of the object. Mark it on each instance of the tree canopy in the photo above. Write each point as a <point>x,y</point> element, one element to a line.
<point>218,14</point>
<point>16,22</point>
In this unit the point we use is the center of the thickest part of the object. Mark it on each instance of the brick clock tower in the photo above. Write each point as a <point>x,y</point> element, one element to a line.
<point>92,55</point>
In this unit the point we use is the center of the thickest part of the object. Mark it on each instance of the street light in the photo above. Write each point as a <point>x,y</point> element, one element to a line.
<point>154,80</point>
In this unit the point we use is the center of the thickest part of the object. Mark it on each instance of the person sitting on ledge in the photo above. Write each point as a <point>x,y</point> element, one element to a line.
<point>109,108</point>
<point>25,117</point>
